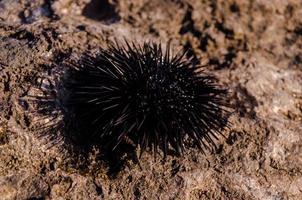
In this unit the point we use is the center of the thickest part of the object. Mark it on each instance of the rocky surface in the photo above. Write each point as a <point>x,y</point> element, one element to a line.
<point>253,47</point>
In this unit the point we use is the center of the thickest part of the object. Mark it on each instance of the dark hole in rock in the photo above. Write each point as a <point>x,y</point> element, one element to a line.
<point>234,8</point>
<point>101,10</point>
<point>3,138</point>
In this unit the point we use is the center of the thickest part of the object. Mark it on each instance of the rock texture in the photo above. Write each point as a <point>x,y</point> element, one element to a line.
<point>254,48</point>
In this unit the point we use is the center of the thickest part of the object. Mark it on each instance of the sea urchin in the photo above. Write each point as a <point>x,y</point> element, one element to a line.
<point>143,93</point>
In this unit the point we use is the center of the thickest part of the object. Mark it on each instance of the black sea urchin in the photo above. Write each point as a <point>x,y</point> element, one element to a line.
<point>146,94</point>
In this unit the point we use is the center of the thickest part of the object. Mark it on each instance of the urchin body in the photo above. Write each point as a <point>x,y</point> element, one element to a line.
<point>146,94</point>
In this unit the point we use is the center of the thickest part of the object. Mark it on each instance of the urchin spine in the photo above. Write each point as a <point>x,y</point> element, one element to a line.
<point>146,94</point>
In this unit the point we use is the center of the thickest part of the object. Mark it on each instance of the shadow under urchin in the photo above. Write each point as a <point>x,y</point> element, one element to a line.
<point>142,94</point>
